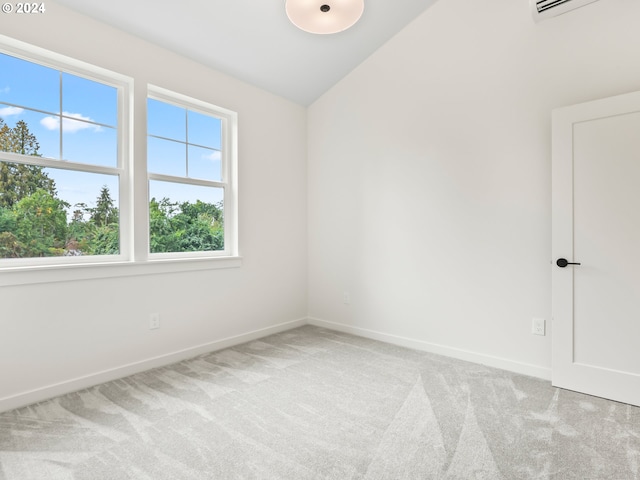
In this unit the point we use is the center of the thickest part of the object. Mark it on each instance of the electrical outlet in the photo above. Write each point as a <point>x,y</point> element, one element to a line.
<point>346,298</point>
<point>154,321</point>
<point>537,326</point>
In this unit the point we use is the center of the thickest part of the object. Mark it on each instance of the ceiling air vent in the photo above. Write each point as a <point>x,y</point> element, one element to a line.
<point>542,9</point>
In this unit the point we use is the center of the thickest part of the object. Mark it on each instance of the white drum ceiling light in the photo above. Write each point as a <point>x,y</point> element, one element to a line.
<point>324,16</point>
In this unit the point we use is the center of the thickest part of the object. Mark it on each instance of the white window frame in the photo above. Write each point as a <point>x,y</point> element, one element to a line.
<point>229,125</point>
<point>134,258</point>
<point>124,86</point>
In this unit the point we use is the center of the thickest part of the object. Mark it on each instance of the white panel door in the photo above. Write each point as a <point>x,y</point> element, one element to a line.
<point>596,223</point>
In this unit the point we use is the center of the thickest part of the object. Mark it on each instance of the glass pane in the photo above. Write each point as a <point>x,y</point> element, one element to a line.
<point>29,85</point>
<point>29,132</point>
<point>166,120</point>
<point>89,143</point>
<point>48,212</point>
<point>166,157</point>
<point>204,163</point>
<point>185,218</point>
<point>204,130</point>
<point>89,100</point>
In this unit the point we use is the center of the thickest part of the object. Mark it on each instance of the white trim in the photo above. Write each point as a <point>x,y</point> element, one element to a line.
<point>80,383</point>
<point>566,156</point>
<point>125,178</point>
<point>50,391</point>
<point>48,162</point>
<point>229,165</point>
<point>122,170</point>
<point>28,275</point>
<point>160,177</point>
<point>182,101</point>
<point>483,359</point>
<point>133,182</point>
<point>51,59</point>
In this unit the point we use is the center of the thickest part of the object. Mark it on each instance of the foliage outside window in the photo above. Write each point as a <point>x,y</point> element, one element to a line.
<point>67,189</point>
<point>188,174</point>
<point>60,171</point>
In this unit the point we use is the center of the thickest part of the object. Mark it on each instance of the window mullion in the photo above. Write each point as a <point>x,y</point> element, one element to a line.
<point>186,181</point>
<point>60,164</point>
<point>224,174</point>
<point>186,143</point>
<point>61,156</point>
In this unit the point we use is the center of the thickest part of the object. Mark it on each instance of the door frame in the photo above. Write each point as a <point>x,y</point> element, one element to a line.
<point>565,372</point>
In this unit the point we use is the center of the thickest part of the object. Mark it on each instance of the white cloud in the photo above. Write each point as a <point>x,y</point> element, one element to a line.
<point>213,156</point>
<point>69,125</point>
<point>50,123</point>
<point>6,111</point>
<point>5,90</point>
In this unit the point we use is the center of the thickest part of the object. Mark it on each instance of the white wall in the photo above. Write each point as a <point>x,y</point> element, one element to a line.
<point>56,332</point>
<point>428,184</point>
<point>430,174</point>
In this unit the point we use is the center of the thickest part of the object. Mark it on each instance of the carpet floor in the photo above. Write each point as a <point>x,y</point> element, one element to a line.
<point>311,403</point>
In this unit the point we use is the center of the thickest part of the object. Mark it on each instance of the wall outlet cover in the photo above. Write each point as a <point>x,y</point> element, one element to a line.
<point>154,321</point>
<point>538,326</point>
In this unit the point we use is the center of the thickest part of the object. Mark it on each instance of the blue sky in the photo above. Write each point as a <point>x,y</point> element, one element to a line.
<point>88,114</point>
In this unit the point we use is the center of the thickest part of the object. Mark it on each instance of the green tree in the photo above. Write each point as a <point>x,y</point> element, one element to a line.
<point>80,231</point>
<point>5,137</point>
<point>202,226</point>
<point>10,245</point>
<point>105,231</point>
<point>162,238</point>
<point>95,230</point>
<point>23,141</point>
<point>18,181</point>
<point>104,213</point>
<point>185,227</point>
<point>105,240</point>
<point>41,224</point>
<point>7,220</point>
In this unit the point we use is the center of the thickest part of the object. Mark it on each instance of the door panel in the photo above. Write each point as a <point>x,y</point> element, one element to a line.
<point>606,216</point>
<point>596,221</point>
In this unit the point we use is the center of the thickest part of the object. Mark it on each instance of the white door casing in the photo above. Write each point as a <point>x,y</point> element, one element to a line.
<point>596,222</point>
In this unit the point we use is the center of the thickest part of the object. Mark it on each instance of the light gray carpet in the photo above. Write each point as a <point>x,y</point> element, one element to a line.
<point>316,404</point>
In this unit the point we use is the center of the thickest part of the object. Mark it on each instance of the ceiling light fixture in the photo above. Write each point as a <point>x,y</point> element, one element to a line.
<point>324,16</point>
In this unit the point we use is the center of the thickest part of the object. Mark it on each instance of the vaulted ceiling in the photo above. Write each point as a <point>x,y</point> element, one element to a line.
<point>254,41</point>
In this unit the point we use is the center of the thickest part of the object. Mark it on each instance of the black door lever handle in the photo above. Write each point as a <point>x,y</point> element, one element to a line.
<point>563,262</point>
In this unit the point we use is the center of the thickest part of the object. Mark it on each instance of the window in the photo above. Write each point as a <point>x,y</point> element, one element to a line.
<point>62,163</point>
<point>70,189</point>
<point>188,150</point>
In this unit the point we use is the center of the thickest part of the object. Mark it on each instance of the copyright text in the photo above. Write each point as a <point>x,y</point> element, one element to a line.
<point>23,8</point>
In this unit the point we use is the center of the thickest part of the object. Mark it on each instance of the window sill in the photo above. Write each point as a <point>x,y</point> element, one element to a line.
<point>88,271</point>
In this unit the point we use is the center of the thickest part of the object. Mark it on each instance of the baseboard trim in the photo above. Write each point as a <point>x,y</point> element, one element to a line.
<point>80,383</point>
<point>489,360</point>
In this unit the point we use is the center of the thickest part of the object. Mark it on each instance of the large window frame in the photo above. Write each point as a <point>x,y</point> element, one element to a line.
<point>134,257</point>
<point>123,86</point>
<point>227,183</point>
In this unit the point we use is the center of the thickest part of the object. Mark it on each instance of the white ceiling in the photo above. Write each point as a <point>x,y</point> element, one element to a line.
<point>254,41</point>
